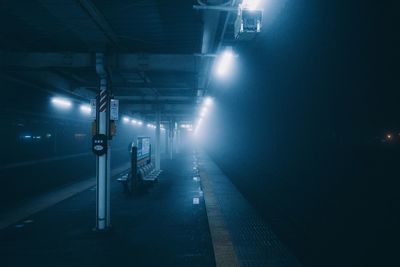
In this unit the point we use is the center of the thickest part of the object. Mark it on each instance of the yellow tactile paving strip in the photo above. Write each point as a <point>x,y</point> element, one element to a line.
<point>222,243</point>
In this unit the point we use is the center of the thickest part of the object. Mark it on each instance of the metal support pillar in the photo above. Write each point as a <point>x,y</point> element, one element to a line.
<point>177,139</point>
<point>108,221</point>
<point>166,133</point>
<point>158,141</point>
<point>171,139</point>
<point>103,161</point>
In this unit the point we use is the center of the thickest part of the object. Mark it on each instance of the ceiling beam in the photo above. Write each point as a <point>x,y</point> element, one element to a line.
<point>46,60</point>
<point>151,97</point>
<point>155,99</point>
<point>123,103</point>
<point>53,85</point>
<point>100,21</point>
<point>121,62</point>
<point>166,110</point>
<point>128,88</point>
<point>155,62</point>
<point>165,113</point>
<point>161,107</point>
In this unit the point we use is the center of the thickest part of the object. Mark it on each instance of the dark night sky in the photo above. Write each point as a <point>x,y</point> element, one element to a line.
<point>299,128</point>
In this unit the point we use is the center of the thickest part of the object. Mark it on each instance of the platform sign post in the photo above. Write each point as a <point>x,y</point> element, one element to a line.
<point>134,179</point>
<point>102,165</point>
<point>102,140</point>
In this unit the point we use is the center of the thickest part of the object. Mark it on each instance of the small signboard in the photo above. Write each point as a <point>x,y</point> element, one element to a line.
<point>99,144</point>
<point>93,109</point>
<point>114,106</point>
<point>143,147</point>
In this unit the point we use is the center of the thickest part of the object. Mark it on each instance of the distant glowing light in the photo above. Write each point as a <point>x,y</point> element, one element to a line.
<point>61,102</point>
<point>86,109</point>
<point>140,123</point>
<point>203,113</point>
<point>27,136</point>
<point>125,119</point>
<point>224,63</point>
<point>389,136</point>
<point>186,126</point>
<point>133,121</point>
<point>251,4</point>
<point>208,101</point>
<point>198,125</point>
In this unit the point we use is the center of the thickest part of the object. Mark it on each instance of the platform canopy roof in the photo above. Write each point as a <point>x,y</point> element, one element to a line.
<point>157,52</point>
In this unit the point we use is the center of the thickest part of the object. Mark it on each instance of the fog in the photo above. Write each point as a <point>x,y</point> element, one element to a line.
<point>301,126</point>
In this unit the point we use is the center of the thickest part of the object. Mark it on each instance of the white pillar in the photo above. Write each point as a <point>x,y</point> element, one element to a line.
<point>171,139</point>
<point>102,177</point>
<point>108,220</point>
<point>178,140</point>
<point>158,148</point>
<point>103,161</point>
<point>166,137</point>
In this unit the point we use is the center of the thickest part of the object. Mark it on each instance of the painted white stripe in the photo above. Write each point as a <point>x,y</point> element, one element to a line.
<point>103,108</point>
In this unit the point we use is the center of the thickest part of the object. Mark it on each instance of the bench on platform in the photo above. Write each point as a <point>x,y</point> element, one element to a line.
<point>142,171</point>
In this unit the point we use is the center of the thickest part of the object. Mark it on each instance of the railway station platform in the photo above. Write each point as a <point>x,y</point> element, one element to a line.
<point>193,216</point>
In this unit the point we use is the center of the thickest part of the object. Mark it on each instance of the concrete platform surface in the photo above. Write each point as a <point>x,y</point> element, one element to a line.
<point>159,227</point>
<point>193,216</point>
